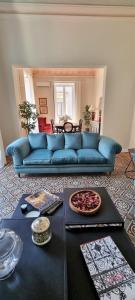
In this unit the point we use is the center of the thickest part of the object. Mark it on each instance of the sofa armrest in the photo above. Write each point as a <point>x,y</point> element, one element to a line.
<point>109,147</point>
<point>19,149</point>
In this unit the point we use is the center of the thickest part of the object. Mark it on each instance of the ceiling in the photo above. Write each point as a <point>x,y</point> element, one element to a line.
<point>83,2</point>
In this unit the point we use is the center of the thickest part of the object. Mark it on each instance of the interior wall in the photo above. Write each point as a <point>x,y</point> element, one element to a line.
<point>93,2</point>
<point>88,92</point>
<point>68,41</point>
<point>44,92</point>
<point>132,136</point>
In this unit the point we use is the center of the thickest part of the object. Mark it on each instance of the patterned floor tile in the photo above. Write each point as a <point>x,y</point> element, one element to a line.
<point>120,188</point>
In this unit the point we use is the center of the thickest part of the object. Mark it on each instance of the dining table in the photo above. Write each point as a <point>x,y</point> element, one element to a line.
<point>60,127</point>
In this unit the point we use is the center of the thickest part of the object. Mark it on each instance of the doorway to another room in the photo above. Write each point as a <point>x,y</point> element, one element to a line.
<point>62,92</point>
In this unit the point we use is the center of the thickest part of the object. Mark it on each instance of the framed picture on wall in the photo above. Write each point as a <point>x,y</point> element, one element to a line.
<point>43,109</point>
<point>42,101</point>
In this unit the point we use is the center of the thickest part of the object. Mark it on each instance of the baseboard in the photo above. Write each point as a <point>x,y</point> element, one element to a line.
<point>8,159</point>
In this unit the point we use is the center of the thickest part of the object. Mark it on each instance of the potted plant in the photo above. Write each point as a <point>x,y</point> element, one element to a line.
<point>87,116</point>
<point>28,114</point>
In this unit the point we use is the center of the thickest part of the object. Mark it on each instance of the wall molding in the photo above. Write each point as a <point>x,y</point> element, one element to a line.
<point>67,10</point>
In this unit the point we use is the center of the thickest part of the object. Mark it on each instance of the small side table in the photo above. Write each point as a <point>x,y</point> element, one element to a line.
<point>132,161</point>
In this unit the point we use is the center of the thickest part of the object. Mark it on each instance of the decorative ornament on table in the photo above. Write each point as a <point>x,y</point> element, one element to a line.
<point>64,119</point>
<point>41,232</point>
<point>86,202</point>
<point>87,116</point>
<point>11,247</point>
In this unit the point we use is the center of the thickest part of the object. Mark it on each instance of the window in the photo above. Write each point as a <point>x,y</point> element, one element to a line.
<point>64,99</point>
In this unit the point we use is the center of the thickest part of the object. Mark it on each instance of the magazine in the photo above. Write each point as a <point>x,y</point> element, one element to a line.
<point>44,201</point>
<point>112,276</point>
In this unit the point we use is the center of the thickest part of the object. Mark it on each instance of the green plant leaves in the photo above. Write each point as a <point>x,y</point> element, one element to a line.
<point>28,114</point>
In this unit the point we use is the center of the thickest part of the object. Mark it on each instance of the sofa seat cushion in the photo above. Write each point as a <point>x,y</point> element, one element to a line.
<point>38,157</point>
<point>90,156</point>
<point>65,156</point>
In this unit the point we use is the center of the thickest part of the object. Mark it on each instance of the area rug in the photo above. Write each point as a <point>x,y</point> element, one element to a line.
<point>120,188</point>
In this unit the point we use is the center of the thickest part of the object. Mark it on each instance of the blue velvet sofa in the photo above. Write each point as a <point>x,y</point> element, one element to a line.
<point>63,153</point>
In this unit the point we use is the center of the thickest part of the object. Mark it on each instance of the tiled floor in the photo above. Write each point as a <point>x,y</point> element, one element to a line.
<point>120,188</point>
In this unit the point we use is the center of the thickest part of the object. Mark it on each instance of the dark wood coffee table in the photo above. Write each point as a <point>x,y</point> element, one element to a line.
<point>80,285</point>
<point>39,274</point>
<point>19,215</point>
<point>58,270</point>
<point>107,213</point>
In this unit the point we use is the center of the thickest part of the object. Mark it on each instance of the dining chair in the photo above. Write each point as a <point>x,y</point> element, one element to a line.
<point>68,127</point>
<point>54,130</point>
<point>78,128</point>
<point>43,125</point>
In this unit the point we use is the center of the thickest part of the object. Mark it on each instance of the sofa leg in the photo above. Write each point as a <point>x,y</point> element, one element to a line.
<point>109,173</point>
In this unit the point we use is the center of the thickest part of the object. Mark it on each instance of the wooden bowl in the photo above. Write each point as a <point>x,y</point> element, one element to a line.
<point>90,211</point>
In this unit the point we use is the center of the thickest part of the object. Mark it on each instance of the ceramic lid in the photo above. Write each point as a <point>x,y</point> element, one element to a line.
<point>41,224</point>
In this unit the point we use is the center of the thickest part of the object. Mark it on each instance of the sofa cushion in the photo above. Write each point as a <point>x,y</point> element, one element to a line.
<point>37,140</point>
<point>65,156</point>
<point>90,140</point>
<point>73,141</point>
<point>90,156</point>
<point>55,141</point>
<point>38,157</point>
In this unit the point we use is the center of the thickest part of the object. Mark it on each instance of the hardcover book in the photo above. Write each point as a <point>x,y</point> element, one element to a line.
<point>44,201</point>
<point>111,274</point>
<point>106,216</point>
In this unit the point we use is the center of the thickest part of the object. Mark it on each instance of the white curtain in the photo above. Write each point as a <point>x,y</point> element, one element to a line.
<point>77,108</point>
<point>2,153</point>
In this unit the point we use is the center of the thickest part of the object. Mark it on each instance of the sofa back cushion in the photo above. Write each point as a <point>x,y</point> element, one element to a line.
<point>90,140</point>
<point>55,141</point>
<point>37,140</point>
<point>73,141</point>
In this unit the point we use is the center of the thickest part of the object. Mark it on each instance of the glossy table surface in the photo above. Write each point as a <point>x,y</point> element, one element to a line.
<point>39,274</point>
<point>57,270</point>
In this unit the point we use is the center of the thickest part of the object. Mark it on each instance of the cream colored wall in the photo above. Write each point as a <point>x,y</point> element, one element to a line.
<point>68,41</point>
<point>88,92</point>
<point>44,92</point>
<point>132,136</point>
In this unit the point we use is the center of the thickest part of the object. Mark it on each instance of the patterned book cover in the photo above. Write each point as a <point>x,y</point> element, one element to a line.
<point>44,201</point>
<point>112,276</point>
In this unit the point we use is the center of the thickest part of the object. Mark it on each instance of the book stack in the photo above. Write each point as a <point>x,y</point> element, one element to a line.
<point>44,201</point>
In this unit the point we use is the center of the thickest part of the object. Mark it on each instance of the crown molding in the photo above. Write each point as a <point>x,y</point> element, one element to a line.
<point>67,10</point>
<point>70,72</point>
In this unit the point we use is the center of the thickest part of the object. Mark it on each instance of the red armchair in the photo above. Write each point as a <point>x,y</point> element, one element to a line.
<point>43,126</point>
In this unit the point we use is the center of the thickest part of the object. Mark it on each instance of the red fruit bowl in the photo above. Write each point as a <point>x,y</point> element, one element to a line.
<point>85,202</point>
